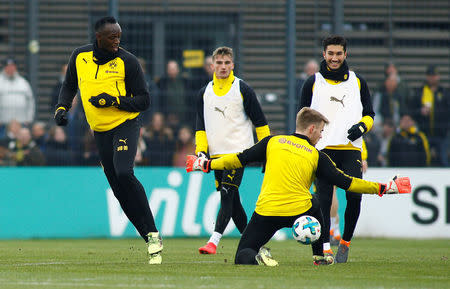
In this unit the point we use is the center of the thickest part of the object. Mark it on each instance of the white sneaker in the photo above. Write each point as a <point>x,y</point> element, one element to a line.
<point>155,258</point>
<point>265,258</point>
<point>154,248</point>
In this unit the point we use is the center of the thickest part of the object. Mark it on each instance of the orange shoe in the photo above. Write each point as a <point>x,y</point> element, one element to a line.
<point>328,253</point>
<point>209,248</point>
<point>342,253</point>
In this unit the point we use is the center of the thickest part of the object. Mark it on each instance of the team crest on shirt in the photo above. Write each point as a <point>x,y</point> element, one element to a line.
<point>112,66</point>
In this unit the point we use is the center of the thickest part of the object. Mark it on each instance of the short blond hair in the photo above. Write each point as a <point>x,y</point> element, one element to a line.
<point>308,116</point>
<point>223,50</point>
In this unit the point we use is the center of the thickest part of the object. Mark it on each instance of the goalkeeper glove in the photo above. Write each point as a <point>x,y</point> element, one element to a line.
<point>203,155</point>
<point>396,185</point>
<point>104,100</point>
<point>61,116</point>
<point>356,131</point>
<point>194,163</point>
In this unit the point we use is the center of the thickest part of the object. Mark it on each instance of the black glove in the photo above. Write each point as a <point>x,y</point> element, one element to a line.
<point>104,100</point>
<point>356,131</point>
<point>61,116</point>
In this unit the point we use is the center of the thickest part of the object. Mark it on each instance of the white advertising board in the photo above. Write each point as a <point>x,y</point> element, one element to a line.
<point>424,214</point>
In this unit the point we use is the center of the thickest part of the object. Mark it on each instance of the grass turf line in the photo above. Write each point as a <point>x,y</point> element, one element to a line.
<point>121,263</point>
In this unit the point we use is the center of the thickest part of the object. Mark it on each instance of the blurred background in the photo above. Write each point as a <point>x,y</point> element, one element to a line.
<point>398,46</point>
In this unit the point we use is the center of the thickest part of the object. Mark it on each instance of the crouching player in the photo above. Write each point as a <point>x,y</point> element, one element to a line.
<point>292,163</point>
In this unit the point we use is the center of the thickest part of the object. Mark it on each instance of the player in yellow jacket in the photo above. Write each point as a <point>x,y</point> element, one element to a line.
<point>292,164</point>
<point>113,93</point>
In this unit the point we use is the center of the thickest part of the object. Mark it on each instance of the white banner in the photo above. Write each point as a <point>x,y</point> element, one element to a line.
<point>423,214</point>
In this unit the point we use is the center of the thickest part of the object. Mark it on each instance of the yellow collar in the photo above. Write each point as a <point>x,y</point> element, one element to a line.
<point>222,86</point>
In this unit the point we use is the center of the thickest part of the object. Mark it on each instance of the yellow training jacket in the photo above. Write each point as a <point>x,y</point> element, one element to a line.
<point>122,77</point>
<point>292,164</point>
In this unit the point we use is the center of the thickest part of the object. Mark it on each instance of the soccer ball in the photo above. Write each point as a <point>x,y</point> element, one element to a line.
<point>306,230</point>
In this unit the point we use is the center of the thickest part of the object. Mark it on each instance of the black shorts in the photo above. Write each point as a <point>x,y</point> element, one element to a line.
<point>228,177</point>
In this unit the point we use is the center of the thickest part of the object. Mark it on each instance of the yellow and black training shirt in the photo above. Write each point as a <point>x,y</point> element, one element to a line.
<point>292,164</point>
<point>120,76</point>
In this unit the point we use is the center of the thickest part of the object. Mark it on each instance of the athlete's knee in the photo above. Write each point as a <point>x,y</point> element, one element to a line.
<point>245,257</point>
<point>227,192</point>
<point>124,174</point>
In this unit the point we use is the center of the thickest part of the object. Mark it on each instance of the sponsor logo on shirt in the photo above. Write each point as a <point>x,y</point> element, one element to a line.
<point>297,145</point>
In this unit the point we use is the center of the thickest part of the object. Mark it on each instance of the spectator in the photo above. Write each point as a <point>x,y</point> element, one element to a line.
<point>39,134</point>
<point>393,100</point>
<point>57,87</point>
<point>24,150</point>
<point>388,131</point>
<point>4,155</point>
<point>205,75</point>
<point>58,152</point>
<point>434,115</point>
<point>154,93</point>
<point>10,135</point>
<point>159,141</point>
<point>12,131</point>
<point>392,96</point>
<point>310,68</point>
<point>16,98</point>
<point>391,69</point>
<point>76,127</point>
<point>173,91</point>
<point>141,148</point>
<point>90,155</point>
<point>184,146</point>
<point>373,146</point>
<point>408,147</point>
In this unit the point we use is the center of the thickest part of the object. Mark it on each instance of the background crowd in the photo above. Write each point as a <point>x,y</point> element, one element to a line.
<point>411,125</point>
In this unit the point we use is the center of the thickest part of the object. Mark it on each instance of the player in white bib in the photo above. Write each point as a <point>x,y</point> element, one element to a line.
<point>344,98</point>
<point>227,110</point>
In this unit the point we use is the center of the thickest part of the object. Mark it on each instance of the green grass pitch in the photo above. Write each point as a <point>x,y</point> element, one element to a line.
<point>121,263</point>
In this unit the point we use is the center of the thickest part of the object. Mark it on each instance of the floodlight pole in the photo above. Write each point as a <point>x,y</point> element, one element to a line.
<point>290,64</point>
<point>338,17</point>
<point>114,9</point>
<point>33,45</point>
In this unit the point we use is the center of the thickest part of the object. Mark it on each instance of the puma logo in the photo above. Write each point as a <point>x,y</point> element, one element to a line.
<point>123,147</point>
<point>232,175</point>
<point>332,98</point>
<point>220,110</point>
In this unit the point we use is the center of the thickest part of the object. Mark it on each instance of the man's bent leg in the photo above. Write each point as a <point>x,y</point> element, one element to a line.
<point>257,233</point>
